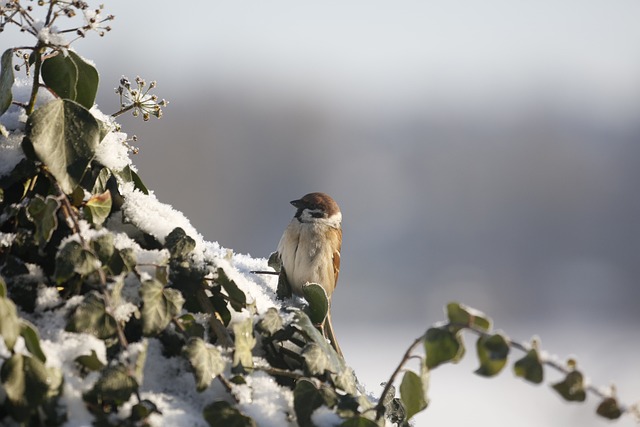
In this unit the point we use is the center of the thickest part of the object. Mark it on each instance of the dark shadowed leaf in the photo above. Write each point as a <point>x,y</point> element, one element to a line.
<point>103,247</point>
<point>530,367</point>
<point>91,317</point>
<point>72,258</point>
<point>26,384</point>
<point>442,345</point>
<point>359,421</point>
<point>6,80</point>
<point>492,354</point>
<point>90,362</point>
<point>160,306</point>
<point>306,399</point>
<point>71,77</point>
<point>609,409</point>
<point>222,414</point>
<point>237,298</point>
<point>43,213</point>
<point>64,136</point>
<point>206,361</point>
<point>572,387</point>
<point>179,243</point>
<point>413,393</point>
<point>318,301</point>
<point>141,411</point>
<point>115,386</point>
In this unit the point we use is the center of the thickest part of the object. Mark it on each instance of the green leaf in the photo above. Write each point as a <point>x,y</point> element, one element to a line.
<point>306,399</point>
<point>244,343</point>
<point>442,345</point>
<point>137,182</point>
<point>98,207</point>
<point>270,323</point>
<point>318,301</point>
<point>191,327</point>
<point>9,322</point>
<point>71,77</point>
<point>413,393</point>
<point>64,136</point>
<point>122,261</point>
<point>73,258</point>
<point>237,298</point>
<point>100,184</point>
<point>32,340</point>
<point>26,384</point>
<point>461,315</point>
<point>6,80</point>
<point>222,414</point>
<point>43,213</point>
<point>206,361</point>
<point>572,387</point>
<point>492,353</point>
<point>315,359</point>
<point>359,421</point>
<point>530,367</point>
<point>90,362</point>
<point>141,411</point>
<point>160,306</point>
<point>91,317</point>
<point>103,247</point>
<point>179,243</point>
<point>115,386</point>
<point>3,288</point>
<point>609,409</point>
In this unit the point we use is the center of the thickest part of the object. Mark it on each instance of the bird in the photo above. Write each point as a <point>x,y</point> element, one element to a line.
<point>309,250</point>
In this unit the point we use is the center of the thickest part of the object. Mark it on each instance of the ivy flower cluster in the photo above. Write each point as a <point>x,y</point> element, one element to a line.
<point>137,98</point>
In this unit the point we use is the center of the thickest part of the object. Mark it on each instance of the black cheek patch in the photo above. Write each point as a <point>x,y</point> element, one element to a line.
<point>317,214</point>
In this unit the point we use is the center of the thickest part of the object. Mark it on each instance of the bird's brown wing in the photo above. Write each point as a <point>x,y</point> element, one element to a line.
<point>336,259</point>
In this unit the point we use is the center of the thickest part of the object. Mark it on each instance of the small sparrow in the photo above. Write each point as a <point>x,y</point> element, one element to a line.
<point>309,250</point>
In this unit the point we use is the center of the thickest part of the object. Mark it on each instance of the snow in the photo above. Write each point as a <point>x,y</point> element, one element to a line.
<point>167,381</point>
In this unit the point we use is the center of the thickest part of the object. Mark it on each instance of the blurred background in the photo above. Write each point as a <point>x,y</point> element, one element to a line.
<point>482,152</point>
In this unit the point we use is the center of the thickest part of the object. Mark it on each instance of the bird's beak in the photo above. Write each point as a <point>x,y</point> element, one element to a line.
<point>295,203</point>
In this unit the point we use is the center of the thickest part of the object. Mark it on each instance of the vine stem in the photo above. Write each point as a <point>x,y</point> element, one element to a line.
<point>70,214</point>
<point>38,51</point>
<point>407,356</point>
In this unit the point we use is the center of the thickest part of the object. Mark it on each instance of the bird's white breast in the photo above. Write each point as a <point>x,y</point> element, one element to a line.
<point>306,255</point>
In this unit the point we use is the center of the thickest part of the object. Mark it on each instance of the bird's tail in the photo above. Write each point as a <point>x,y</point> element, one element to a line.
<point>330,335</point>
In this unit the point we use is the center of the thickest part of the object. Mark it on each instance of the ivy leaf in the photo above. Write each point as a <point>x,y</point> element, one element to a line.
<point>9,322</point>
<point>71,77</point>
<point>98,207</point>
<point>103,247</point>
<point>115,386</point>
<point>90,362</point>
<point>572,387</point>
<point>122,261</point>
<point>142,410</point>
<point>26,384</point>
<point>413,393</point>
<point>358,421</point>
<point>244,343</point>
<point>306,399</point>
<point>190,326</point>
<point>100,184</point>
<point>206,361</point>
<point>6,80</point>
<point>270,323</point>
<point>318,301</point>
<point>222,414</point>
<point>237,298</point>
<point>530,367</point>
<point>179,243</point>
<point>315,359</point>
<point>32,340</point>
<point>63,135</point>
<point>492,353</point>
<point>160,306</point>
<point>460,314</point>
<point>609,409</point>
<point>73,258</point>
<point>42,212</point>
<point>442,345</point>
<point>91,317</point>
